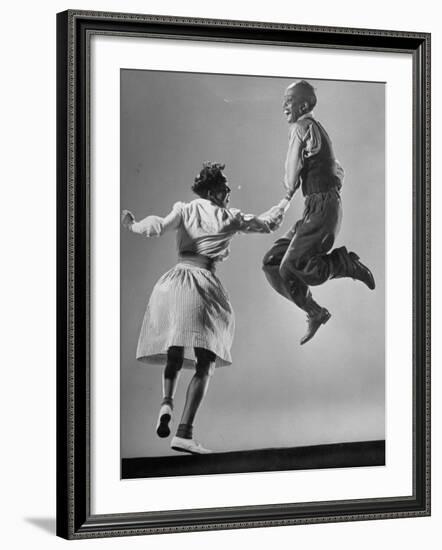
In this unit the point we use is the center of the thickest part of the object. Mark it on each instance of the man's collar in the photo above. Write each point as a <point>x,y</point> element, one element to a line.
<point>310,114</point>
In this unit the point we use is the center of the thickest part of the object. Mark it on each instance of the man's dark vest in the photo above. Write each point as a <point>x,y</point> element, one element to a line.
<point>318,172</point>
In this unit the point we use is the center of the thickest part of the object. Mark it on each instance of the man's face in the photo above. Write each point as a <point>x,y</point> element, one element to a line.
<point>292,105</point>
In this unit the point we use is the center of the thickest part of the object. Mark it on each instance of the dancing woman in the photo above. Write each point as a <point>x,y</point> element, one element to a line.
<point>189,319</point>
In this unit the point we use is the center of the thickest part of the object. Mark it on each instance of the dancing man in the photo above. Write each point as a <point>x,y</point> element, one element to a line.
<point>302,257</point>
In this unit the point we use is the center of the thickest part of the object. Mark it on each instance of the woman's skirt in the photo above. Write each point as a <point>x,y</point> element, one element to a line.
<point>188,307</point>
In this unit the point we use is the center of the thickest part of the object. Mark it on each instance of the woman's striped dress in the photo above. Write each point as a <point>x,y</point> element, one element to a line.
<point>189,306</point>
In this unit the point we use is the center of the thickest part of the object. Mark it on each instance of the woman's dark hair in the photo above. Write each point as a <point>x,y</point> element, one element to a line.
<point>304,91</point>
<point>210,178</point>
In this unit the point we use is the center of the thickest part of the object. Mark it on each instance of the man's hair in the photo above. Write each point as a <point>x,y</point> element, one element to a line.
<point>305,92</point>
<point>209,178</point>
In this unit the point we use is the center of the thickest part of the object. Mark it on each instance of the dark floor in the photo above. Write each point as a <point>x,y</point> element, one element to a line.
<point>338,455</point>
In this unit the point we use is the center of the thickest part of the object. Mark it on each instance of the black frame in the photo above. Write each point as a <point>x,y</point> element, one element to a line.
<point>74,519</point>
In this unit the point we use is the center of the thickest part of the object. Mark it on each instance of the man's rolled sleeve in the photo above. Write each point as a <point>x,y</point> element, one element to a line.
<point>295,159</point>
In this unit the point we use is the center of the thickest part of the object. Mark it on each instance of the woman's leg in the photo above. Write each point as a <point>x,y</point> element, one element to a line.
<point>205,364</point>
<point>175,355</point>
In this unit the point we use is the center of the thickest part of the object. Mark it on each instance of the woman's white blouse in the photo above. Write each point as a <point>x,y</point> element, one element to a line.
<point>205,228</point>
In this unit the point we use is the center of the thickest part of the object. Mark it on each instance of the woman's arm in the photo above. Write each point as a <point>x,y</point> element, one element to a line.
<point>267,221</point>
<point>153,226</point>
<point>249,223</point>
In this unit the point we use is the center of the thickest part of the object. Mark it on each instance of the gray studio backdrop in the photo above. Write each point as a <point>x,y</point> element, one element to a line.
<point>277,393</point>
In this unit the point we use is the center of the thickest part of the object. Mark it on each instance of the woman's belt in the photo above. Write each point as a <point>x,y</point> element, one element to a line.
<point>197,260</point>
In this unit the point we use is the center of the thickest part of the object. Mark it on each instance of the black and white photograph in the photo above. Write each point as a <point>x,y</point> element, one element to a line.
<point>222,263</point>
<point>243,275</point>
<point>252,273</point>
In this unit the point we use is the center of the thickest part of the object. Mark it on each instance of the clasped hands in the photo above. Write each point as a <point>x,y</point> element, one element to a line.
<point>275,216</point>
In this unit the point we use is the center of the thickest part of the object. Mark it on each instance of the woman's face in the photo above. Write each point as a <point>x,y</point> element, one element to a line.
<point>220,195</point>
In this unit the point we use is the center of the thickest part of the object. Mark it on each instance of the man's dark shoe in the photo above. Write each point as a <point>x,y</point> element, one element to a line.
<point>361,271</point>
<point>314,322</point>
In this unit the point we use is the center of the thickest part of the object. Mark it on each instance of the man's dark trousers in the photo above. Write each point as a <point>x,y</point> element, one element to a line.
<point>301,257</point>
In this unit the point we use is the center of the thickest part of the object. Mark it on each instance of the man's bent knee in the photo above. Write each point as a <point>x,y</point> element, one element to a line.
<point>270,262</point>
<point>312,273</point>
<point>290,271</point>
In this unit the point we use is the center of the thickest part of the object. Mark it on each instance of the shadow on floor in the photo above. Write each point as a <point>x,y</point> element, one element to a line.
<point>46,524</point>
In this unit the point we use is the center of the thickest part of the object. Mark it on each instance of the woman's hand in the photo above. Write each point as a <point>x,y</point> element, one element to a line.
<point>127,219</point>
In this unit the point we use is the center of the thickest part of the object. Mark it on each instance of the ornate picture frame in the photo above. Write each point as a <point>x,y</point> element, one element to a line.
<point>76,517</point>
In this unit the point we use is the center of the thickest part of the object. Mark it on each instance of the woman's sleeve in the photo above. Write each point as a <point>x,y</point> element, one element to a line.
<point>264,223</point>
<point>249,223</point>
<point>154,226</point>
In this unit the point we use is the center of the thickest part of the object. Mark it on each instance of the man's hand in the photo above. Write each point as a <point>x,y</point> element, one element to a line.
<point>274,217</point>
<point>127,219</point>
<point>275,224</point>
